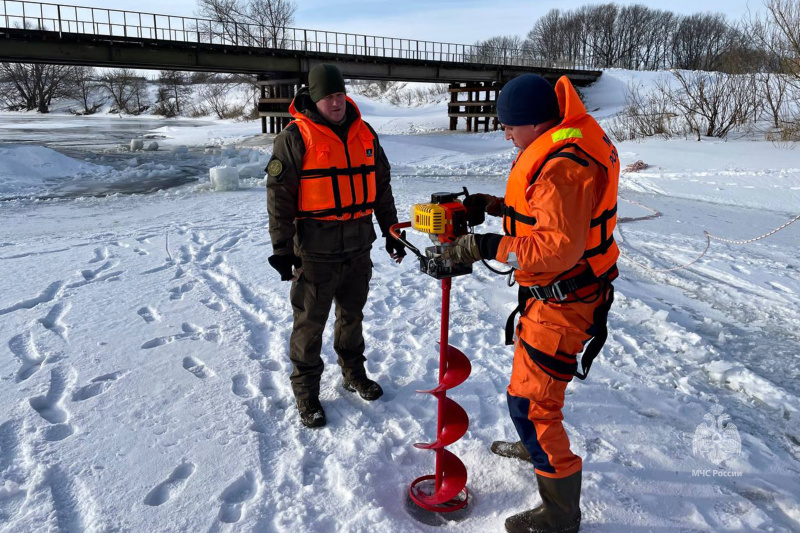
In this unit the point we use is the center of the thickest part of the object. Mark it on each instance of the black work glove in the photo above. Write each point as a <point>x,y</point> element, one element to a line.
<point>283,264</point>
<point>395,248</point>
<point>479,204</point>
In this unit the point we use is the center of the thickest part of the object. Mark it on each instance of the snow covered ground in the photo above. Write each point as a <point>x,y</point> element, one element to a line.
<point>143,344</point>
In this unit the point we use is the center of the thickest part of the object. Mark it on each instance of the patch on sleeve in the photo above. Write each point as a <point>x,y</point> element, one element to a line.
<point>275,168</point>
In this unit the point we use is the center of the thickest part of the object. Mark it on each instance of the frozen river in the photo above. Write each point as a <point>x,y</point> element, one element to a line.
<point>103,143</point>
<point>83,133</point>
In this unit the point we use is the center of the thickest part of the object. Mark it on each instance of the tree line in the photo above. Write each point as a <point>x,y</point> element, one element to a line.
<point>34,87</point>
<point>638,37</point>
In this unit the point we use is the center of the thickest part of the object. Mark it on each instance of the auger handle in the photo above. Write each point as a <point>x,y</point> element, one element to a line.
<point>394,231</point>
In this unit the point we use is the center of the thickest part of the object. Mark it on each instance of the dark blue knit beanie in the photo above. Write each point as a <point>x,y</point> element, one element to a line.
<point>527,99</point>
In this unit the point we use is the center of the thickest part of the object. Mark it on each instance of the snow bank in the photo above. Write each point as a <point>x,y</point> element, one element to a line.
<point>23,167</point>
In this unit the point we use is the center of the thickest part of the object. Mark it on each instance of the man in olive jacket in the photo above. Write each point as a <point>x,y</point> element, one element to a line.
<point>327,176</point>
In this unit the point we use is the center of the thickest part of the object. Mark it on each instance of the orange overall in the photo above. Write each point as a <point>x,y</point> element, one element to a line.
<point>559,216</point>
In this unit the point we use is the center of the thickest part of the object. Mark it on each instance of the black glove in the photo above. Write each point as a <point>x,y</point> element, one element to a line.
<point>395,248</point>
<point>283,264</point>
<point>480,204</point>
<point>476,209</point>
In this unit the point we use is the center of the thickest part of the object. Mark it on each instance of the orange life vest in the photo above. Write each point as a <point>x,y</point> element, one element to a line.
<point>337,181</point>
<point>579,130</point>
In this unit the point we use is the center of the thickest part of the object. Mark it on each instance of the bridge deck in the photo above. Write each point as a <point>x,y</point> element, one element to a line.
<point>62,34</point>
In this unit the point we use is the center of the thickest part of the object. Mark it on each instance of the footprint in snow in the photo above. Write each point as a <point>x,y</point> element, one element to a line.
<point>149,314</point>
<point>235,497</point>
<point>197,367</point>
<point>50,406</point>
<point>97,386</point>
<point>171,487</point>
<point>100,254</point>
<point>24,347</point>
<point>177,293</point>
<point>214,305</point>
<point>241,386</point>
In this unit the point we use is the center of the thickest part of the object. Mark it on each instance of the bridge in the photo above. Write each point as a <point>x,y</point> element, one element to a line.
<point>37,32</point>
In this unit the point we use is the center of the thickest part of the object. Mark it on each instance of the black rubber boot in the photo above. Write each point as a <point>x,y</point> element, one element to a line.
<point>311,413</point>
<point>515,450</point>
<point>560,510</point>
<point>366,388</point>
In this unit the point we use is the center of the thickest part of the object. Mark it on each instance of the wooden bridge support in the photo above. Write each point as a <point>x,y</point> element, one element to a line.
<point>476,102</point>
<point>273,106</point>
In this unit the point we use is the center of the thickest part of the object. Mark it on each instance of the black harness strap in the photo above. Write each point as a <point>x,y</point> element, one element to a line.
<point>350,210</point>
<point>599,333</point>
<point>312,173</point>
<point>337,194</point>
<point>560,292</point>
<point>606,240</point>
<point>364,185</point>
<point>509,213</point>
<point>555,368</point>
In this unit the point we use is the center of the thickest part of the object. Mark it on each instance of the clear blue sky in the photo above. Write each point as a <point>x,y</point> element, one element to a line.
<point>459,21</point>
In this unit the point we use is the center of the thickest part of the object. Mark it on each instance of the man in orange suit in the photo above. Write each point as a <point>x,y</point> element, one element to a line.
<point>559,214</point>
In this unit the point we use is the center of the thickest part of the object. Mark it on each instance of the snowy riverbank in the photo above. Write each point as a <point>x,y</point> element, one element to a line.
<point>145,384</point>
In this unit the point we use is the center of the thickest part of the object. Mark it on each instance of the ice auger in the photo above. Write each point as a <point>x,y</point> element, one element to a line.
<point>443,219</point>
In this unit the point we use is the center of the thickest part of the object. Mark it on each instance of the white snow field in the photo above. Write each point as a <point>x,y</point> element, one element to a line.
<point>143,347</point>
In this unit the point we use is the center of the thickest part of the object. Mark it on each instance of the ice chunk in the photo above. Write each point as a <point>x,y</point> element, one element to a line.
<point>136,144</point>
<point>224,178</point>
<point>252,171</point>
<point>152,147</point>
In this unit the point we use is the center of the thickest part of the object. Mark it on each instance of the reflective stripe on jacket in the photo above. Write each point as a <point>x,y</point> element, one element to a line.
<point>550,180</point>
<point>337,180</point>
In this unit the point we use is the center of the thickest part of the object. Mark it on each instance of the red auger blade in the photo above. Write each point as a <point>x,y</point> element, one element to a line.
<point>455,422</point>
<point>454,479</point>
<point>457,371</point>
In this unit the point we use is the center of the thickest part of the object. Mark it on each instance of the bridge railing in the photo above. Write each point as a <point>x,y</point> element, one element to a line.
<point>103,22</point>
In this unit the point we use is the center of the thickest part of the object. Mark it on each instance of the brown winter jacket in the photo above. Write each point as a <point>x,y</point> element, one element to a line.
<point>312,239</point>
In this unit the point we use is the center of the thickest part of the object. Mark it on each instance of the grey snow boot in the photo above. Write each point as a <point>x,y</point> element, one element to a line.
<point>515,450</point>
<point>311,413</point>
<point>560,510</point>
<point>366,388</point>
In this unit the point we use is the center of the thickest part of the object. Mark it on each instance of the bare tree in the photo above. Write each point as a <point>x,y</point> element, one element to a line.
<point>250,22</point>
<point>701,40</point>
<point>32,86</point>
<point>215,96</point>
<point>85,89</point>
<point>126,89</point>
<point>778,33</point>
<point>636,37</point>
<point>501,50</point>
<point>545,40</point>
<point>645,115</point>
<point>173,89</point>
<point>714,103</point>
<point>775,95</point>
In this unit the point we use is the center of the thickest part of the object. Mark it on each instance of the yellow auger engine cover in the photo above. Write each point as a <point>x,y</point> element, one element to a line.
<point>428,218</point>
<point>444,217</point>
